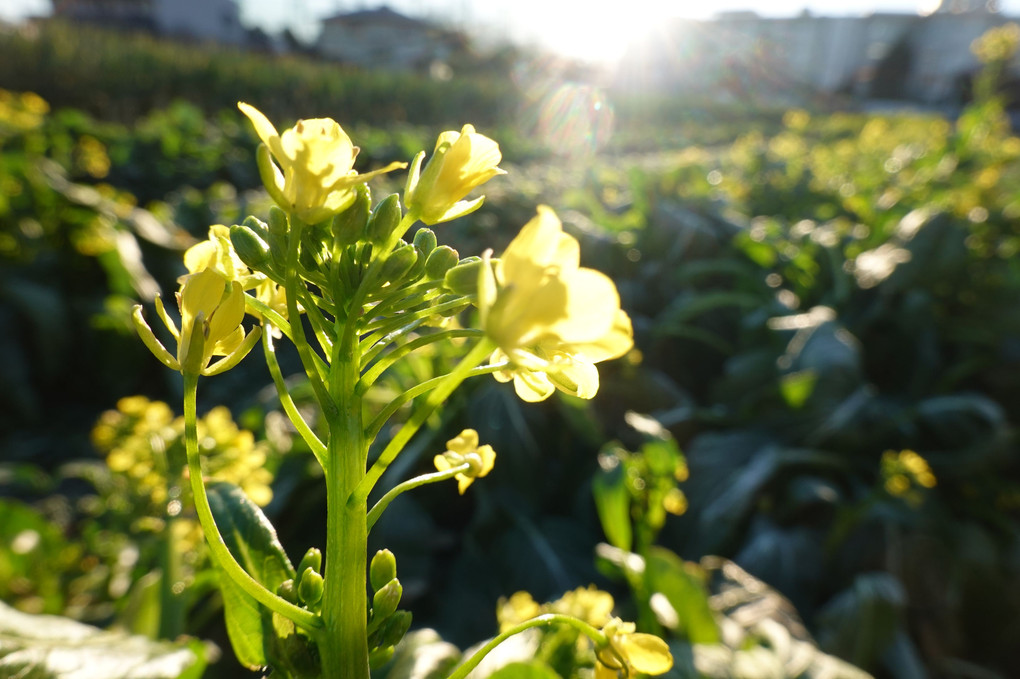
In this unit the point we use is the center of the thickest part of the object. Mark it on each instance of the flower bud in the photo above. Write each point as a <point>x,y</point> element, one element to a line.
<point>260,228</point>
<point>278,227</point>
<point>399,263</point>
<point>348,227</point>
<point>441,260</point>
<point>386,600</point>
<point>394,629</point>
<point>310,587</point>
<point>288,591</point>
<point>384,219</point>
<point>425,240</point>
<point>380,656</point>
<point>312,559</point>
<point>463,278</point>
<point>382,569</point>
<point>251,248</point>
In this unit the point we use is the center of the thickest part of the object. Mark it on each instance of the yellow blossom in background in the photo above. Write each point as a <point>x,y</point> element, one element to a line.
<point>997,44</point>
<point>465,448</point>
<point>551,319</point>
<point>313,175</point>
<point>460,162</point>
<point>905,474</point>
<point>519,607</point>
<point>21,112</point>
<point>589,604</point>
<point>141,437</point>
<point>629,652</point>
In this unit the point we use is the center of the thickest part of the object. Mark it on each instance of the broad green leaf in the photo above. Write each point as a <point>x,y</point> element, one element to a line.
<point>612,500</point>
<point>688,612</point>
<point>252,540</point>
<point>51,647</point>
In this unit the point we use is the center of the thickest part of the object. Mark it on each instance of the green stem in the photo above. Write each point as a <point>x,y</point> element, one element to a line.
<point>541,621</point>
<point>387,325</point>
<point>345,606</point>
<point>317,447</point>
<point>373,373</point>
<point>411,484</point>
<point>436,397</point>
<point>220,552</point>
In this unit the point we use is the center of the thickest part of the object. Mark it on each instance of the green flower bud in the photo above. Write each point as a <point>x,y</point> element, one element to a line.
<point>380,656</point>
<point>463,278</point>
<point>386,600</point>
<point>260,228</point>
<point>278,227</point>
<point>441,260</point>
<point>393,630</point>
<point>288,591</point>
<point>399,263</point>
<point>310,587</point>
<point>382,569</point>
<point>249,246</point>
<point>312,559</point>
<point>385,218</point>
<point>349,226</point>
<point>425,240</point>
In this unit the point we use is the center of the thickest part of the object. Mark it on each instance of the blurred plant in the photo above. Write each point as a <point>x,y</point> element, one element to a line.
<point>355,299</point>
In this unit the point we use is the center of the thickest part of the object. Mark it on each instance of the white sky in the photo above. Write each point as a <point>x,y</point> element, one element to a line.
<point>587,33</point>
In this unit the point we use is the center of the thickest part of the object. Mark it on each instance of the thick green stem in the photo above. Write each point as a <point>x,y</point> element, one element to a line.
<point>220,552</point>
<point>584,628</point>
<point>345,607</point>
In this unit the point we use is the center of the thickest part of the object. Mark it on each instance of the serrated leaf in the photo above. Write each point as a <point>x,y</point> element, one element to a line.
<point>51,647</point>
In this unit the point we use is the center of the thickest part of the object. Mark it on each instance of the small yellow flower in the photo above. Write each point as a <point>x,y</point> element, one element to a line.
<point>313,176</point>
<point>589,604</point>
<point>460,162</point>
<point>519,607</point>
<point>465,448</point>
<point>212,309</point>
<point>628,652</point>
<point>551,319</point>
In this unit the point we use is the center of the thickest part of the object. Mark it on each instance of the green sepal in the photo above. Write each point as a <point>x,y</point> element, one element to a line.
<point>310,587</point>
<point>400,262</point>
<point>386,600</point>
<point>270,174</point>
<point>391,631</point>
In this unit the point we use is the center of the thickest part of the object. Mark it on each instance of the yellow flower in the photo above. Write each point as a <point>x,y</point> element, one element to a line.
<point>461,161</point>
<point>515,610</point>
<point>628,652</point>
<point>589,604</point>
<point>465,448</point>
<point>212,309</point>
<point>313,176</point>
<point>551,319</point>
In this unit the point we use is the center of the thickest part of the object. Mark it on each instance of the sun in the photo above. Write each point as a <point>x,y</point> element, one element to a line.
<point>599,37</point>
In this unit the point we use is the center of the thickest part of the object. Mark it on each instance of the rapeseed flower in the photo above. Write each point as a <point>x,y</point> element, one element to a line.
<point>465,448</point>
<point>313,174</point>
<point>628,652</point>
<point>551,319</point>
<point>460,162</point>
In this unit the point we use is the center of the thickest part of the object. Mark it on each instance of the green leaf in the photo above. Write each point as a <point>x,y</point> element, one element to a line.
<point>686,607</point>
<point>612,500</point>
<point>51,647</point>
<point>255,634</point>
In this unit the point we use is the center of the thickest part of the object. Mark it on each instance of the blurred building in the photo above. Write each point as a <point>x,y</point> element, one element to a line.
<point>383,38</point>
<point>206,20</point>
<point>741,56</point>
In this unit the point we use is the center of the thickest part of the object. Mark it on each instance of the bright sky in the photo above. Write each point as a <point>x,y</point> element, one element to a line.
<point>590,34</point>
